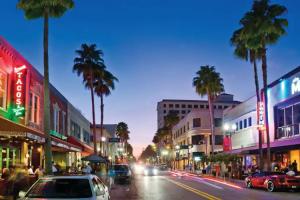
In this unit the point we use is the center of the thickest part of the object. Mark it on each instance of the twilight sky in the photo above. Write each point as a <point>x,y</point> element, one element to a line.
<point>154,47</point>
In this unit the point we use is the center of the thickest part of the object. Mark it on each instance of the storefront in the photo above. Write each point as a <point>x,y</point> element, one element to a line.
<point>284,118</point>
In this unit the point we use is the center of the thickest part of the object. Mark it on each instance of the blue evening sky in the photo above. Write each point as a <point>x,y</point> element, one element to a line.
<point>154,47</point>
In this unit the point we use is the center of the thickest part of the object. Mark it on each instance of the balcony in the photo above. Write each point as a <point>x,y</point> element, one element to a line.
<point>287,131</point>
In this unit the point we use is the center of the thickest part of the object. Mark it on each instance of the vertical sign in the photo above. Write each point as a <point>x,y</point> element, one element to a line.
<point>261,114</point>
<point>19,94</point>
<point>295,87</point>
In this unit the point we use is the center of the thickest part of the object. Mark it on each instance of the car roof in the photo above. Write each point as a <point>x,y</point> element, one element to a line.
<point>79,176</point>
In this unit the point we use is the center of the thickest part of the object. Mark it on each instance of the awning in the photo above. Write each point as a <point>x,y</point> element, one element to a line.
<point>65,145</point>
<point>86,149</point>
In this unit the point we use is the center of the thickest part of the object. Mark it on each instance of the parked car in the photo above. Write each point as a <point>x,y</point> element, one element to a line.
<point>150,171</point>
<point>122,172</point>
<point>67,187</point>
<point>272,181</point>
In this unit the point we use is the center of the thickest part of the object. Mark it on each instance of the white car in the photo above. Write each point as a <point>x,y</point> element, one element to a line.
<point>88,187</point>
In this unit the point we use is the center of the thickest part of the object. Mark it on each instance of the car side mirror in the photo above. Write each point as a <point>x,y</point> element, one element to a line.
<point>22,194</point>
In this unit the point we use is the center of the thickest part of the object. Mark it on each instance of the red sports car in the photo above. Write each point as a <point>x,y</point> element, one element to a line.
<point>272,181</point>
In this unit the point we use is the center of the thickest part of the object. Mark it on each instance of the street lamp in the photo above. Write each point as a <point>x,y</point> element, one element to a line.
<point>103,139</point>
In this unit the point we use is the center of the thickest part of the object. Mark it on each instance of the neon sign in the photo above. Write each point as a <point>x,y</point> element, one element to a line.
<point>19,109</point>
<point>295,85</point>
<point>261,113</point>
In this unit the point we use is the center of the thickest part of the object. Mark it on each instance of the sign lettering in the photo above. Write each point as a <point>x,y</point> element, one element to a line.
<point>295,85</point>
<point>20,73</point>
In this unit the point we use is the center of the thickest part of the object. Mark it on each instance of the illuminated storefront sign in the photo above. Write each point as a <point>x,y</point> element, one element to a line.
<point>261,114</point>
<point>19,94</point>
<point>295,85</point>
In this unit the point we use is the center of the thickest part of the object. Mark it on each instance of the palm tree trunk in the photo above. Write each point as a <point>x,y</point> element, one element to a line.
<point>265,81</point>
<point>93,111</point>
<point>212,126</point>
<point>257,120</point>
<point>48,152</point>
<point>101,123</point>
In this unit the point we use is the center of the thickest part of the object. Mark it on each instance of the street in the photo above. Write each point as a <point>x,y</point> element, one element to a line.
<point>186,187</point>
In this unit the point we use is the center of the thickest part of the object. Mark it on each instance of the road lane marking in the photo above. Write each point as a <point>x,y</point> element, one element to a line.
<point>198,192</point>
<point>200,180</point>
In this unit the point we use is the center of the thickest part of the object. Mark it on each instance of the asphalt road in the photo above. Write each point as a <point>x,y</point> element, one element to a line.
<point>172,187</point>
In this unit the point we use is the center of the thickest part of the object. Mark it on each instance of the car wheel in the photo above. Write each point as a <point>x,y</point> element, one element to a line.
<point>270,186</point>
<point>249,184</point>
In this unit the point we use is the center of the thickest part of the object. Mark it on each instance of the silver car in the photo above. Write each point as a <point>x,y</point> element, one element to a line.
<point>88,187</point>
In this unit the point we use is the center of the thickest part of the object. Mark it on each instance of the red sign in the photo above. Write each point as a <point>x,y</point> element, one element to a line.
<point>226,143</point>
<point>19,95</point>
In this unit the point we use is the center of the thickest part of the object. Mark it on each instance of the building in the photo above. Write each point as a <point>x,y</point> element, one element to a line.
<point>192,135</point>
<point>284,118</point>
<point>241,132</point>
<point>183,107</point>
<point>78,132</point>
<point>21,114</point>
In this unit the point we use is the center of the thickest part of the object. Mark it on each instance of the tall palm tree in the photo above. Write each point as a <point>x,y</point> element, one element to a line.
<point>123,132</point>
<point>88,63</point>
<point>46,9</point>
<point>265,26</point>
<point>243,51</point>
<point>208,82</point>
<point>104,84</point>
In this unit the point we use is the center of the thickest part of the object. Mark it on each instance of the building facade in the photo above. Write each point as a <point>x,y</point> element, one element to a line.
<point>192,135</point>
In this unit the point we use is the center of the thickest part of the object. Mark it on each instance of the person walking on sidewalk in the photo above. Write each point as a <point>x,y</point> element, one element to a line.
<point>111,174</point>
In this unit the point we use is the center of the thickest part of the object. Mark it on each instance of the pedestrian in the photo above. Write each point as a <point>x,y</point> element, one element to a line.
<point>294,166</point>
<point>30,170</point>
<point>54,169</point>
<point>111,174</point>
<point>39,172</point>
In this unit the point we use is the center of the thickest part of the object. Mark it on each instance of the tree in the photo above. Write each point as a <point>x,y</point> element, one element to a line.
<point>104,84</point>
<point>88,63</point>
<point>45,9</point>
<point>264,26</point>
<point>123,132</point>
<point>155,139</point>
<point>243,50</point>
<point>148,153</point>
<point>208,82</point>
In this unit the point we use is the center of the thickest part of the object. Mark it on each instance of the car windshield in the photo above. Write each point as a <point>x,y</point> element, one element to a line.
<point>121,167</point>
<point>61,188</point>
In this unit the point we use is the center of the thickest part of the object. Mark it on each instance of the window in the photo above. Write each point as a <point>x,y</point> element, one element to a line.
<point>241,124</point>
<point>170,105</point>
<point>184,129</point>
<point>195,106</point>
<point>245,123</point>
<point>165,105</point>
<point>176,105</point>
<point>188,111</point>
<point>86,136</point>
<point>218,139</point>
<point>218,122</point>
<point>188,126</point>
<point>219,107</point>
<point>207,106</point>
<point>237,126</point>
<point>183,106</point>
<point>56,118</point>
<point>3,89</point>
<point>165,111</point>
<point>34,108</point>
<point>249,121</point>
<point>201,106</point>
<point>75,130</point>
<point>196,122</point>
<point>63,123</point>
<point>198,139</point>
<point>189,106</point>
<point>225,107</point>
<point>215,107</point>
<point>183,111</point>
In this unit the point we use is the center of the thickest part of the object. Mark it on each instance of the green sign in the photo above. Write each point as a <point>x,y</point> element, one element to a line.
<point>19,111</point>
<point>58,135</point>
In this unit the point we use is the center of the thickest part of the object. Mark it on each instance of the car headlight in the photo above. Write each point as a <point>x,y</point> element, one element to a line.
<point>155,171</point>
<point>146,172</point>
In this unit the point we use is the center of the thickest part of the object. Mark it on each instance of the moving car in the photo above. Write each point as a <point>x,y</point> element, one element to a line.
<point>122,172</point>
<point>67,187</point>
<point>150,171</point>
<point>272,181</point>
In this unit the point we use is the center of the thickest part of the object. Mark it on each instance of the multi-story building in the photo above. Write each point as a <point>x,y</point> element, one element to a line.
<point>21,114</point>
<point>183,107</point>
<point>192,135</point>
<point>241,131</point>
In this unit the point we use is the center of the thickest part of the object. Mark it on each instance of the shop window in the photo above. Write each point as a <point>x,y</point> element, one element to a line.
<point>34,108</point>
<point>288,116</point>
<point>3,89</point>
<point>296,115</point>
<point>196,122</point>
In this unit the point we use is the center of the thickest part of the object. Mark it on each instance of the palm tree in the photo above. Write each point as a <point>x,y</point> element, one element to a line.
<point>243,51</point>
<point>88,63</point>
<point>104,84</point>
<point>208,82</point>
<point>123,132</point>
<point>46,9</point>
<point>264,26</point>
